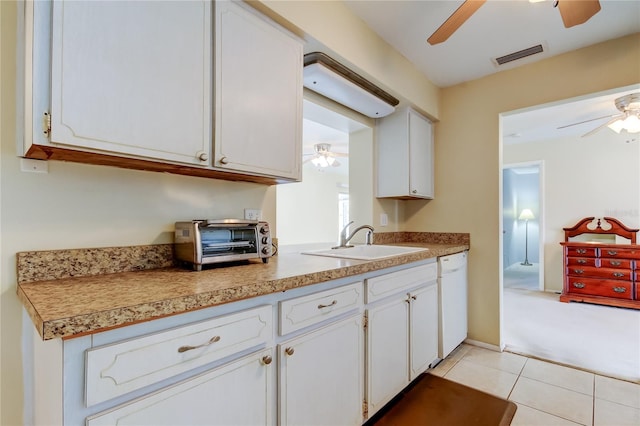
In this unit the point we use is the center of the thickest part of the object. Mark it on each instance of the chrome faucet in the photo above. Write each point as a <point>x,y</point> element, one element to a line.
<point>344,239</point>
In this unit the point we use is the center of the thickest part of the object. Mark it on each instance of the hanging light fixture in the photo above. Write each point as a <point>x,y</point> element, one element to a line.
<point>323,156</point>
<point>630,118</point>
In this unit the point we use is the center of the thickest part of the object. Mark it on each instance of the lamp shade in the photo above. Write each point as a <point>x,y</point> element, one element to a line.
<point>526,214</point>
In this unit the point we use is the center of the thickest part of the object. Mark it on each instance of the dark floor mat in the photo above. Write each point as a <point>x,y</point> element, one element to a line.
<point>432,400</point>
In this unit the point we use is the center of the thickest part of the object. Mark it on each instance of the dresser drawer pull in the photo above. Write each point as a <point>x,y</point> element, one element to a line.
<point>578,285</point>
<point>321,306</point>
<point>619,289</point>
<point>582,261</point>
<point>618,274</point>
<point>615,263</point>
<point>214,339</point>
<point>578,271</point>
<point>581,251</point>
<point>612,252</point>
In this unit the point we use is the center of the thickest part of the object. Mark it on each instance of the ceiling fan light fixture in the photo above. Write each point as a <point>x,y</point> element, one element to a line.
<point>630,123</point>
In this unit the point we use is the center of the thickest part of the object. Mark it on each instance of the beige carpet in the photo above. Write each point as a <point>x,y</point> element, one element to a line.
<point>601,339</point>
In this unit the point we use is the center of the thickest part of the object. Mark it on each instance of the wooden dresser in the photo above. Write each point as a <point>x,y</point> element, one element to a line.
<point>602,273</point>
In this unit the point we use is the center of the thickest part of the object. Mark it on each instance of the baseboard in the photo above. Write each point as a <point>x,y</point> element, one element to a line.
<point>482,345</point>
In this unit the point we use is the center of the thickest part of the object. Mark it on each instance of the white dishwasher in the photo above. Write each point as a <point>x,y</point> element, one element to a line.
<point>452,288</point>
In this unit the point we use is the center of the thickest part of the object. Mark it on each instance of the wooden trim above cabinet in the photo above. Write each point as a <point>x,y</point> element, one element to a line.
<point>40,152</point>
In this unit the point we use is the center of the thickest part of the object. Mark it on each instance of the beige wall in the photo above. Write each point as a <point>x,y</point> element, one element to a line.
<point>468,156</point>
<point>594,176</point>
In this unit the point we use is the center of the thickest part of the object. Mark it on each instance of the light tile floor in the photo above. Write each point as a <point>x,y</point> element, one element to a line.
<point>546,393</point>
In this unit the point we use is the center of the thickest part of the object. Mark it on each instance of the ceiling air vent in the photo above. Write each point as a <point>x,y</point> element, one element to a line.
<point>519,55</point>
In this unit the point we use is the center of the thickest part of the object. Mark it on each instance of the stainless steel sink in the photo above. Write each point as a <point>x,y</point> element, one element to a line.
<point>366,252</point>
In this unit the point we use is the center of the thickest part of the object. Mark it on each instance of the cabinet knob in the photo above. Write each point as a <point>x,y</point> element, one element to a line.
<point>266,360</point>
<point>289,351</point>
<point>224,160</point>
<point>202,156</point>
<point>415,191</point>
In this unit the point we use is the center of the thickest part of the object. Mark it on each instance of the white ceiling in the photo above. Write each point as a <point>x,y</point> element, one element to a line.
<point>501,27</point>
<point>498,28</point>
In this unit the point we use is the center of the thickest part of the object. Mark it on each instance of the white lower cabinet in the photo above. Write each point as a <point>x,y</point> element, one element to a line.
<point>321,376</point>
<point>218,366</point>
<point>402,332</point>
<point>239,393</point>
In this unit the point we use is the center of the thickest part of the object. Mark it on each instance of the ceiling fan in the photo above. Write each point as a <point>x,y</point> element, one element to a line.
<point>572,12</point>
<point>324,157</point>
<point>628,119</point>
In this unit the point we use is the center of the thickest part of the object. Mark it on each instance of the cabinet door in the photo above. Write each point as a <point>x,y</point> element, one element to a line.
<point>420,156</point>
<point>238,393</point>
<point>322,376</point>
<point>387,352</point>
<point>424,328</point>
<point>133,78</point>
<point>258,122</point>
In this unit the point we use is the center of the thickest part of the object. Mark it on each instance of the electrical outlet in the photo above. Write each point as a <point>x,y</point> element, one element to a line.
<point>384,219</point>
<point>252,214</point>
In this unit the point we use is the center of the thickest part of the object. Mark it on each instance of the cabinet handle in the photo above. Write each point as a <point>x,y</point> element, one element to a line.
<point>224,160</point>
<point>289,351</point>
<point>581,251</point>
<point>578,271</point>
<point>578,285</point>
<point>202,156</point>
<point>612,252</point>
<point>333,303</point>
<point>415,191</point>
<point>618,274</point>
<point>619,289</point>
<point>582,261</point>
<point>266,360</point>
<point>188,348</point>
<point>615,263</point>
<point>414,297</point>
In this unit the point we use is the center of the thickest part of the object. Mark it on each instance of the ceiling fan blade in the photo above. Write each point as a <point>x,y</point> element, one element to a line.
<point>586,121</point>
<point>454,21</point>
<point>576,12</point>
<point>614,119</point>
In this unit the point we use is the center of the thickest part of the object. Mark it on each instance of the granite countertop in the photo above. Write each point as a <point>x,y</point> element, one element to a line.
<point>71,306</point>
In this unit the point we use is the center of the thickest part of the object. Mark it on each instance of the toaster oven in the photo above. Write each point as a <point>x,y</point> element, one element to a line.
<point>202,242</point>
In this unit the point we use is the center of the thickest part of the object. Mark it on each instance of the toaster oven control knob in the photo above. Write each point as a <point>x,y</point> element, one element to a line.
<point>265,250</point>
<point>265,240</point>
<point>264,230</point>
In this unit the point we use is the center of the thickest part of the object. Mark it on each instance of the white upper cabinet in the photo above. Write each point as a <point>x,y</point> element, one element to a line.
<point>258,101</point>
<point>211,89</point>
<point>405,156</point>
<point>133,78</point>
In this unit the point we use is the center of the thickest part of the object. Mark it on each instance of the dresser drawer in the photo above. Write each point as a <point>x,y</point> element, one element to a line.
<point>623,253</point>
<point>116,369</point>
<point>616,263</point>
<point>600,287</point>
<point>592,272</point>
<point>301,312</point>
<point>582,261</point>
<point>395,282</point>
<point>581,252</point>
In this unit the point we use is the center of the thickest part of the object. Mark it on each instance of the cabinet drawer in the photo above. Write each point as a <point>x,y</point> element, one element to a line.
<point>116,369</point>
<point>582,261</point>
<point>610,273</point>
<point>625,253</point>
<point>314,308</point>
<point>600,287</point>
<point>616,263</point>
<point>395,282</point>
<point>581,251</point>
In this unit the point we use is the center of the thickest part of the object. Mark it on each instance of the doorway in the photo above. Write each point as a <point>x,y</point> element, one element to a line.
<point>522,221</point>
